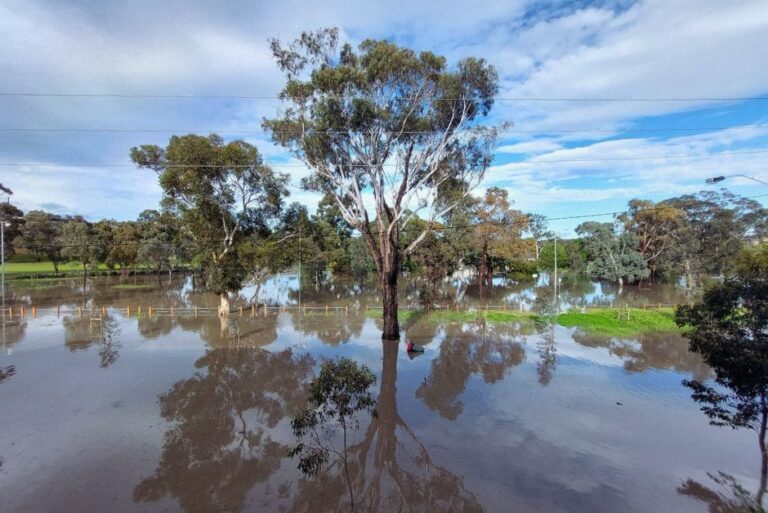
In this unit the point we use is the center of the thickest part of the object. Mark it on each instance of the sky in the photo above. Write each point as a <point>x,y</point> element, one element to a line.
<point>568,154</point>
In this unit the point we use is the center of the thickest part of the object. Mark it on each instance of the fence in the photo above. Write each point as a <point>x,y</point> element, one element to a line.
<point>21,311</point>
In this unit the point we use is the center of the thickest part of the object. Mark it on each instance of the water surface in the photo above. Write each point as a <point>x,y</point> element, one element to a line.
<point>185,413</point>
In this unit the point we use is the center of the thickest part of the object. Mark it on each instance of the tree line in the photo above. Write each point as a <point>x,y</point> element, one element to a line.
<point>396,141</point>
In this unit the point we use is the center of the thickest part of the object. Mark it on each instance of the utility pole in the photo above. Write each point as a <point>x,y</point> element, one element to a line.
<point>8,193</point>
<point>555,270</point>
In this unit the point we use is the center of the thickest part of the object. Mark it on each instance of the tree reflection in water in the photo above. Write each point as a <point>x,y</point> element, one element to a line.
<point>391,468</point>
<point>220,446</point>
<point>483,348</point>
<point>649,351</point>
<point>82,333</point>
<point>547,351</point>
<point>740,500</point>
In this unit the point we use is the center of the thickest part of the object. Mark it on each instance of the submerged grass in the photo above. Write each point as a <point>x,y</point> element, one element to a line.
<point>609,322</point>
<point>614,322</point>
<point>132,286</point>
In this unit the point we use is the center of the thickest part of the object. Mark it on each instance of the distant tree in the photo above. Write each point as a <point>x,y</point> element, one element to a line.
<point>360,260</point>
<point>220,193</point>
<point>729,329</point>
<point>103,239</point>
<point>658,230</point>
<point>716,228</point>
<point>336,396</point>
<point>611,256</point>
<point>547,255</point>
<point>496,232</point>
<point>124,249</point>
<point>434,259</point>
<point>14,219</point>
<point>539,230</point>
<point>40,236</point>
<point>386,121</point>
<point>78,242</point>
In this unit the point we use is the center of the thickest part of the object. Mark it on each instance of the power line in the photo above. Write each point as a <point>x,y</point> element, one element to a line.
<point>389,132</point>
<point>302,166</point>
<point>372,98</point>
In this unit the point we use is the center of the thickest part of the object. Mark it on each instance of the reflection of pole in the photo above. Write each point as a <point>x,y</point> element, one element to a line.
<point>2,258</point>
<point>299,270</point>
<point>555,270</point>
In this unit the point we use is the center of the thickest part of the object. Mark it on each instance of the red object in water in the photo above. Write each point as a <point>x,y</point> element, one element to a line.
<point>409,346</point>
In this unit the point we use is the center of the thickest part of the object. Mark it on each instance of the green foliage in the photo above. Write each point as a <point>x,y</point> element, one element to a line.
<point>40,236</point>
<point>547,256</point>
<point>80,243</point>
<point>360,261</point>
<point>14,218</point>
<point>716,226</point>
<point>336,396</point>
<point>612,256</point>
<point>729,328</point>
<point>434,259</point>
<point>221,193</point>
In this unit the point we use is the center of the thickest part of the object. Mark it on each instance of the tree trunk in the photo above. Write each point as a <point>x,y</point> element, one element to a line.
<point>224,304</point>
<point>483,271</point>
<point>621,285</point>
<point>56,266</point>
<point>391,329</point>
<point>688,278</point>
<point>763,451</point>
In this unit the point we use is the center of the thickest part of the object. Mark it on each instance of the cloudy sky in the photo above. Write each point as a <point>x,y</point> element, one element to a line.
<point>706,59</point>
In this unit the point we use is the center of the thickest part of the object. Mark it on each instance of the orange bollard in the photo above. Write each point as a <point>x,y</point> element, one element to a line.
<point>127,311</point>
<point>241,311</point>
<point>138,310</point>
<point>149,311</point>
<point>34,312</point>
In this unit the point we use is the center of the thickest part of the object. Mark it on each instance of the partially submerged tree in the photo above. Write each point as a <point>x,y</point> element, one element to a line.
<point>387,122</point>
<point>221,192</point>
<point>729,328</point>
<point>497,231</point>
<point>612,256</point>
<point>657,228</point>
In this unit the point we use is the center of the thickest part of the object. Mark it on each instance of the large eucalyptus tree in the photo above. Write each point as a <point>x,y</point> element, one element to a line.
<point>224,195</point>
<point>387,123</point>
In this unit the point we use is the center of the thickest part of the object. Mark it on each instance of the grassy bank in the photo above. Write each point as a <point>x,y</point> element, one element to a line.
<point>606,322</point>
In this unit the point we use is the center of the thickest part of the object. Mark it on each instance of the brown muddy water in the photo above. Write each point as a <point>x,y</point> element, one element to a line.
<point>192,414</point>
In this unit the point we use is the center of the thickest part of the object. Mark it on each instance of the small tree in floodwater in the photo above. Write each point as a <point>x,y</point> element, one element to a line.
<point>336,396</point>
<point>729,328</point>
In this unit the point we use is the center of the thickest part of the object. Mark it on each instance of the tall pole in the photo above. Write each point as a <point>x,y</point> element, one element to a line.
<point>2,258</point>
<point>555,270</point>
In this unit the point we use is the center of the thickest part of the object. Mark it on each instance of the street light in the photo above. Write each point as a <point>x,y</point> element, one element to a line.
<point>718,179</point>
<point>3,224</point>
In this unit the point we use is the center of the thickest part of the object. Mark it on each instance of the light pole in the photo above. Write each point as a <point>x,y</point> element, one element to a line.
<point>718,179</point>
<point>8,193</point>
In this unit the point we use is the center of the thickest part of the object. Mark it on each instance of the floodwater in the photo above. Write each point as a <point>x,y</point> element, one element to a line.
<point>192,414</point>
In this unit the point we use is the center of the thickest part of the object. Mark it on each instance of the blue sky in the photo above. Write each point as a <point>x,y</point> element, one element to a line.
<point>690,49</point>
